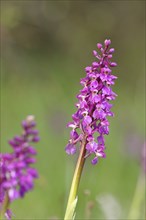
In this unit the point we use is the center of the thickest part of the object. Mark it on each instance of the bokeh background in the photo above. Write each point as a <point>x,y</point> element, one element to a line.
<point>45,46</point>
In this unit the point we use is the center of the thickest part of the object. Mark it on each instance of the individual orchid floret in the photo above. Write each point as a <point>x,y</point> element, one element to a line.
<point>16,173</point>
<point>90,121</point>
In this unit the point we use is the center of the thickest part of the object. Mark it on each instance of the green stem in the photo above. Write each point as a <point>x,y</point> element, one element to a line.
<point>76,177</point>
<point>5,206</point>
<point>138,198</point>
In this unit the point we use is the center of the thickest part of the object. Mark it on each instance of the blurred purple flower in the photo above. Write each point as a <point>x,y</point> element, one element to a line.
<point>93,105</point>
<point>16,174</point>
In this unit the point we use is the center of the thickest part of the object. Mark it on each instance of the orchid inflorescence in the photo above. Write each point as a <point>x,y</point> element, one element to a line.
<point>16,174</point>
<point>94,105</point>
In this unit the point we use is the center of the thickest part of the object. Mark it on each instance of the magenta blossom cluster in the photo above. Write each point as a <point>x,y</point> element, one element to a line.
<point>16,174</point>
<point>90,120</point>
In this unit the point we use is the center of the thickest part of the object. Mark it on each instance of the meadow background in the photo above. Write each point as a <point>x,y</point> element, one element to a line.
<point>45,46</point>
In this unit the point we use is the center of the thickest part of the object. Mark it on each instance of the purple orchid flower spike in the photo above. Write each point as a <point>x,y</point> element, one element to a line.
<point>16,173</point>
<point>94,105</point>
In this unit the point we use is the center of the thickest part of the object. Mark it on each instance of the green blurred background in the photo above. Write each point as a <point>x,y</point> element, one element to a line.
<point>45,46</point>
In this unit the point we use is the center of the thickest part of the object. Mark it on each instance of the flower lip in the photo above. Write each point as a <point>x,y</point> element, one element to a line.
<point>70,149</point>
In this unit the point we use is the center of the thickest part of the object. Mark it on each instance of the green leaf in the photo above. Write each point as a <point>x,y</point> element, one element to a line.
<point>70,213</point>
